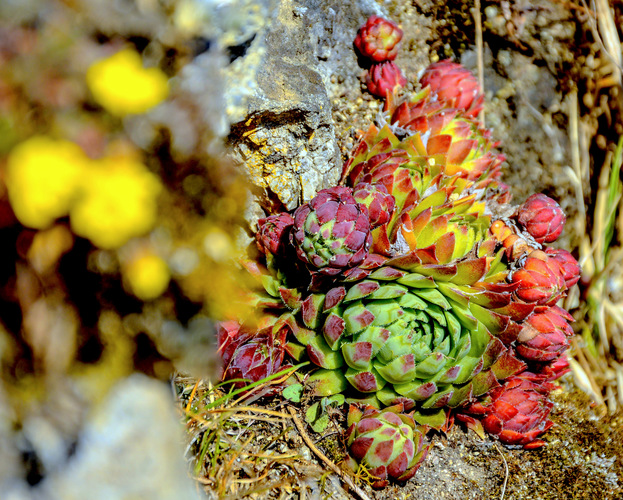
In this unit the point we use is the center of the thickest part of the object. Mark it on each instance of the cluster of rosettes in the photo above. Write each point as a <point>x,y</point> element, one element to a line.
<point>406,290</point>
<point>377,42</point>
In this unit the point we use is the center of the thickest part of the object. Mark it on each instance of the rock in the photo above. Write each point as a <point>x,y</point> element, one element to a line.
<point>279,99</point>
<point>284,135</point>
<point>129,447</point>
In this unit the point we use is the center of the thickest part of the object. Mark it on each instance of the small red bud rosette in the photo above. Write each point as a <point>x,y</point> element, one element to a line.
<point>454,85</point>
<point>384,78</point>
<point>331,233</point>
<point>571,270</point>
<point>250,355</point>
<point>388,441</point>
<point>545,335</point>
<point>516,412</point>
<point>378,39</point>
<point>272,233</point>
<point>540,279</point>
<point>542,217</point>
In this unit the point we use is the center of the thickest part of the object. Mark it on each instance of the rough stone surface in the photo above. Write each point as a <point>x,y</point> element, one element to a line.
<point>285,138</point>
<point>129,447</point>
<point>282,128</point>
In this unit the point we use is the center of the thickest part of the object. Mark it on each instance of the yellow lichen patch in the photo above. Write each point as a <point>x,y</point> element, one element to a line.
<point>146,275</point>
<point>43,177</point>
<point>121,84</point>
<point>118,202</point>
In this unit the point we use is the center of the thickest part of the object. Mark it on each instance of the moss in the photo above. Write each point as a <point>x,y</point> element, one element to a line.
<point>580,459</point>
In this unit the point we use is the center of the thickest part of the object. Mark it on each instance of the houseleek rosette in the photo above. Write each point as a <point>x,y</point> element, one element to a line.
<point>415,283</point>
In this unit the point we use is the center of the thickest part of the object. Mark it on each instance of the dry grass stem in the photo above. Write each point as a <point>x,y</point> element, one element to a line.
<point>506,472</point>
<point>610,37</point>
<point>192,396</point>
<point>476,12</point>
<point>301,428</point>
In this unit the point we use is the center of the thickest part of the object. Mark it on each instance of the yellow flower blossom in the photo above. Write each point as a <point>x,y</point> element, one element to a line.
<point>43,178</point>
<point>123,86</point>
<point>118,202</point>
<point>147,276</point>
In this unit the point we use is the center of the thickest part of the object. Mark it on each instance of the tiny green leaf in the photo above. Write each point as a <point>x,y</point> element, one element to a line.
<point>293,393</point>
<point>317,418</point>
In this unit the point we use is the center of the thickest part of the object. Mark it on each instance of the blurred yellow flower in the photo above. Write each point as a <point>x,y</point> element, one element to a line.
<point>43,178</point>
<point>118,202</point>
<point>147,276</point>
<point>123,86</point>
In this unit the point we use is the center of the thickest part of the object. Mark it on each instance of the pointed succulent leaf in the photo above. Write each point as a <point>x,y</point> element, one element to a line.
<point>327,382</point>
<point>295,350</point>
<point>361,290</point>
<point>434,296</point>
<point>310,309</point>
<point>365,380</point>
<point>358,355</point>
<point>322,355</point>
<point>399,370</point>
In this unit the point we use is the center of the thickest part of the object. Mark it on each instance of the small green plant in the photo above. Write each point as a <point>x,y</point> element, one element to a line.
<point>318,415</point>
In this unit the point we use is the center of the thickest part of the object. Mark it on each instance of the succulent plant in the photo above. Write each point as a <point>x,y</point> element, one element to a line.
<point>455,86</point>
<point>249,354</point>
<point>332,232</point>
<point>542,217</point>
<point>426,315</point>
<point>517,412</point>
<point>388,442</point>
<point>384,79</point>
<point>540,279</point>
<point>569,267</point>
<point>272,233</point>
<point>378,39</point>
<point>420,295</point>
<point>544,335</point>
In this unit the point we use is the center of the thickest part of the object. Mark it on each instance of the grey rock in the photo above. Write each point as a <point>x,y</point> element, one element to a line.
<point>279,98</point>
<point>283,131</point>
<point>129,447</point>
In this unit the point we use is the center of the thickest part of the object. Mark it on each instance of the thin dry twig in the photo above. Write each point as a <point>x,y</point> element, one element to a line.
<point>192,396</point>
<point>250,408</point>
<point>324,458</point>
<point>480,51</point>
<point>506,469</point>
<point>604,31</point>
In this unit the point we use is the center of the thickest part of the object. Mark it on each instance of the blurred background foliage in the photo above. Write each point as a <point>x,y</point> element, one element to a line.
<point>119,212</point>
